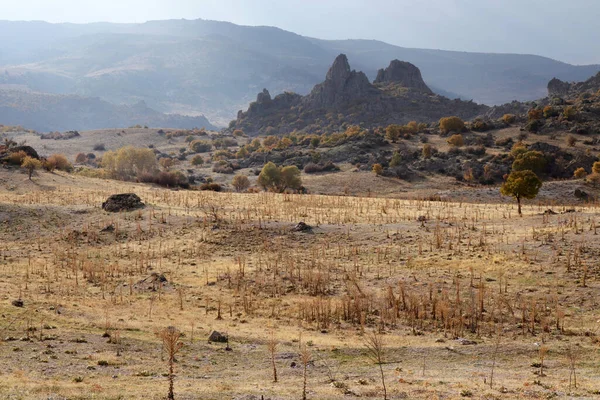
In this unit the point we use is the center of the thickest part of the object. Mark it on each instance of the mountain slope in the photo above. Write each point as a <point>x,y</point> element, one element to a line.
<point>215,68</point>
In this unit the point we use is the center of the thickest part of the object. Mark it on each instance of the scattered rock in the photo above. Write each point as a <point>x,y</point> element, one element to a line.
<point>18,303</point>
<point>109,228</point>
<point>153,282</point>
<point>302,227</point>
<point>580,194</point>
<point>123,202</point>
<point>218,337</point>
<point>466,342</point>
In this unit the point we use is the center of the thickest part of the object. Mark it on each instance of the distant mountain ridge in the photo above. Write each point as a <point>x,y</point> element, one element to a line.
<point>215,68</point>
<point>46,112</point>
<point>346,96</point>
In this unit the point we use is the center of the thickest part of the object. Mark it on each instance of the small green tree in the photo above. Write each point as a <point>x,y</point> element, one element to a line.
<point>392,132</point>
<point>240,182</point>
<point>396,160</point>
<point>530,160</point>
<point>279,179</point>
<point>521,185</point>
<point>31,164</point>
<point>270,176</point>
<point>290,178</point>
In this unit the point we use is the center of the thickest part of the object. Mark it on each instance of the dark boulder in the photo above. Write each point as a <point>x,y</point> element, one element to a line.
<point>123,202</point>
<point>18,303</point>
<point>302,227</point>
<point>218,337</point>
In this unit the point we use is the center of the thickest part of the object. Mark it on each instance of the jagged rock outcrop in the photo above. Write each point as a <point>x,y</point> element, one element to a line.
<point>558,88</point>
<point>347,97</point>
<point>263,97</point>
<point>341,86</point>
<point>403,73</point>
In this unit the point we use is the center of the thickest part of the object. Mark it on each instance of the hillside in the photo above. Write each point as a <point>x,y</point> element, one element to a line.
<point>48,112</point>
<point>215,68</point>
<point>397,96</point>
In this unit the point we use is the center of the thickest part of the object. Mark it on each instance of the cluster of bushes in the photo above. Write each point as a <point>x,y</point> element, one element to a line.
<point>225,167</point>
<point>313,168</point>
<point>57,162</point>
<point>165,178</point>
<point>480,125</point>
<point>129,162</point>
<point>183,132</point>
<point>200,146</point>
<point>278,179</point>
<point>224,142</point>
<point>212,186</point>
<point>394,132</point>
<point>60,136</point>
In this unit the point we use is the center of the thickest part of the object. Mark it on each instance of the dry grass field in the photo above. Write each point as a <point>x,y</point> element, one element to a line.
<point>455,290</point>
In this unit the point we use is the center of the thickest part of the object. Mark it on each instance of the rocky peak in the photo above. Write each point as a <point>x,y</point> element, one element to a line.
<point>263,97</point>
<point>339,71</point>
<point>403,73</point>
<point>341,85</point>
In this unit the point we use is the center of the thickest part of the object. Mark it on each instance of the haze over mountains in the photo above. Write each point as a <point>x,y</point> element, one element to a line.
<point>214,68</point>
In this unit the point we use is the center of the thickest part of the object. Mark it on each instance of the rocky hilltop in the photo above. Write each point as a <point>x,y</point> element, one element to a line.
<point>398,95</point>
<point>404,74</point>
<point>558,88</point>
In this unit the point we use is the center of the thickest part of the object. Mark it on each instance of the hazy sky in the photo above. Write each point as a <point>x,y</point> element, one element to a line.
<point>564,30</point>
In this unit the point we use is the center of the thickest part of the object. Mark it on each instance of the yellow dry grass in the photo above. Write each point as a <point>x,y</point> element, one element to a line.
<point>369,264</point>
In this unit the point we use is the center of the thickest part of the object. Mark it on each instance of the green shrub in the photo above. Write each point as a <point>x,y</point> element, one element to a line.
<point>451,124</point>
<point>200,146</point>
<point>197,160</point>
